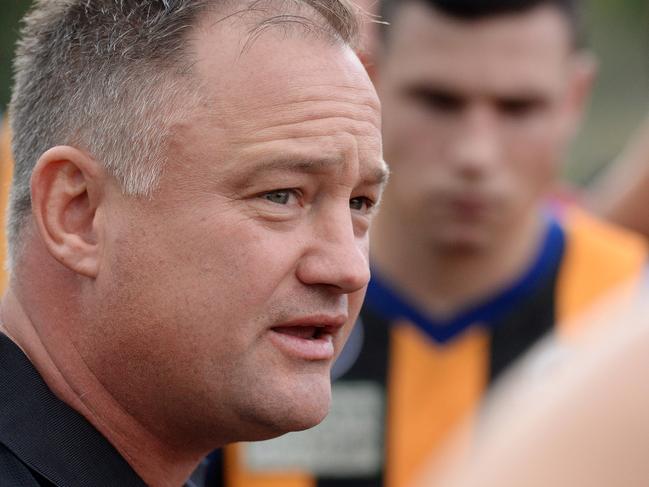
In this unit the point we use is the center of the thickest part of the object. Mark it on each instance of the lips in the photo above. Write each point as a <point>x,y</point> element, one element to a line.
<point>309,338</point>
<point>305,332</point>
<point>469,206</point>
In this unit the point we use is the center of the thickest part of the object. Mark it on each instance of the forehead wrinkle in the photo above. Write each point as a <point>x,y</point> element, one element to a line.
<point>316,127</point>
<point>304,90</point>
<point>303,108</point>
<point>311,117</point>
<point>314,154</point>
<point>298,117</point>
<point>368,105</point>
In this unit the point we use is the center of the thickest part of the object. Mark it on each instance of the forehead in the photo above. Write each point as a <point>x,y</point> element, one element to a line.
<point>526,51</point>
<point>242,74</point>
<point>283,96</point>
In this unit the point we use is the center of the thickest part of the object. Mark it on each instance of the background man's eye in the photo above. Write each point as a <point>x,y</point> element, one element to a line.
<point>437,100</point>
<point>520,108</point>
<point>280,197</point>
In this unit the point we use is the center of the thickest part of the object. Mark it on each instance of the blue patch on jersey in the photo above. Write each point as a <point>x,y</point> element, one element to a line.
<point>386,301</point>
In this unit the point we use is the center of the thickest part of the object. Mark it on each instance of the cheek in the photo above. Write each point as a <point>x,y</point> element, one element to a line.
<point>355,302</point>
<point>416,145</point>
<point>539,162</point>
<point>408,133</point>
<point>202,271</point>
<point>246,265</point>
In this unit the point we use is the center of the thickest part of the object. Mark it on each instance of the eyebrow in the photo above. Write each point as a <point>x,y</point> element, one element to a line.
<point>380,175</point>
<point>446,90</point>
<point>298,163</point>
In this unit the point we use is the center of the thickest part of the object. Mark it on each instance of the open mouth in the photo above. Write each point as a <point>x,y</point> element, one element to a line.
<point>304,332</point>
<point>307,342</point>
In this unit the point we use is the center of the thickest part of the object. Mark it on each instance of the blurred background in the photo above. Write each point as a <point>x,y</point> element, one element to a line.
<point>617,31</point>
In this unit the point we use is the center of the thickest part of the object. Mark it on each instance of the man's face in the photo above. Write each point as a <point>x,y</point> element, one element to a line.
<point>476,116</point>
<point>236,285</point>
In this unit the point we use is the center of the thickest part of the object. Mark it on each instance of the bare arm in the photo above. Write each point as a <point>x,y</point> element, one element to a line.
<point>621,193</point>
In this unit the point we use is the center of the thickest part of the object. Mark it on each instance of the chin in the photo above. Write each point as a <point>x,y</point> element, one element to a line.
<point>465,247</point>
<point>461,241</point>
<point>310,408</point>
<point>459,246</point>
<point>295,409</point>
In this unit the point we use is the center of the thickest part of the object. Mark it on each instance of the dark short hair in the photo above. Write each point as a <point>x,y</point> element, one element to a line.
<point>471,10</point>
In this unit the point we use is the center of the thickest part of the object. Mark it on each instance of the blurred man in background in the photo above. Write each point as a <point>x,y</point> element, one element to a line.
<point>470,263</point>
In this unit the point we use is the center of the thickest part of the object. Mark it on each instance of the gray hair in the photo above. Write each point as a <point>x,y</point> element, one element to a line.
<point>108,76</point>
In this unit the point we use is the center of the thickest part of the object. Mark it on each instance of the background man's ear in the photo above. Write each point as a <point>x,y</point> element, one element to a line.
<point>581,86</point>
<point>67,189</point>
<point>370,58</point>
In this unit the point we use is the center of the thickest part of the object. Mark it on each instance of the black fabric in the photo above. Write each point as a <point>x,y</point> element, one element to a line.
<point>531,319</point>
<point>44,442</point>
<point>14,473</point>
<point>373,361</point>
<point>215,470</point>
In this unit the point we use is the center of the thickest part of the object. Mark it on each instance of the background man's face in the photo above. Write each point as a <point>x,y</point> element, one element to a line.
<point>238,282</point>
<point>476,116</point>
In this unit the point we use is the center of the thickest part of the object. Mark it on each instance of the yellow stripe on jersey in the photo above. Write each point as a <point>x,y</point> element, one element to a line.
<point>598,257</point>
<point>432,389</point>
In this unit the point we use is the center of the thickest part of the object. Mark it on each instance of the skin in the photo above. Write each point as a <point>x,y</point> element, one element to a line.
<point>476,117</point>
<point>171,322</point>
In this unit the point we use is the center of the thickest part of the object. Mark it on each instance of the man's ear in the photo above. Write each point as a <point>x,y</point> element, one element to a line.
<point>370,59</point>
<point>584,73</point>
<point>67,187</point>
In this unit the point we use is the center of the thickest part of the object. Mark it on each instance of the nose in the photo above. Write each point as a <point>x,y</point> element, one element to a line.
<point>475,150</point>
<point>336,257</point>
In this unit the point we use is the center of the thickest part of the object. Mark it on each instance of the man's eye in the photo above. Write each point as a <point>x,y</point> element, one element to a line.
<point>437,100</point>
<point>361,203</point>
<point>520,107</point>
<point>281,196</point>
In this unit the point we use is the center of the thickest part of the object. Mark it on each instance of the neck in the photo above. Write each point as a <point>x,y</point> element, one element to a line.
<point>157,462</point>
<point>444,280</point>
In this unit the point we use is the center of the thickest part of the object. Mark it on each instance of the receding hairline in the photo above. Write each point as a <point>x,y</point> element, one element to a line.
<point>249,26</point>
<point>303,17</point>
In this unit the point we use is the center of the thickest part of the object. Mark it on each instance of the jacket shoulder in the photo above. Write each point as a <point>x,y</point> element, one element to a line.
<point>14,473</point>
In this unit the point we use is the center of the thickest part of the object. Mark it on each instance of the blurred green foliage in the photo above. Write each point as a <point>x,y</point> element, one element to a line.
<point>10,13</point>
<point>618,34</point>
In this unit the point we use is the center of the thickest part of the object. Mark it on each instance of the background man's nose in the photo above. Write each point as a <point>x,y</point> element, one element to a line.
<point>476,149</point>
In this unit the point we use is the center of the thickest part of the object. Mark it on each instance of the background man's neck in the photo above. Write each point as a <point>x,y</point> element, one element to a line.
<point>444,280</point>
